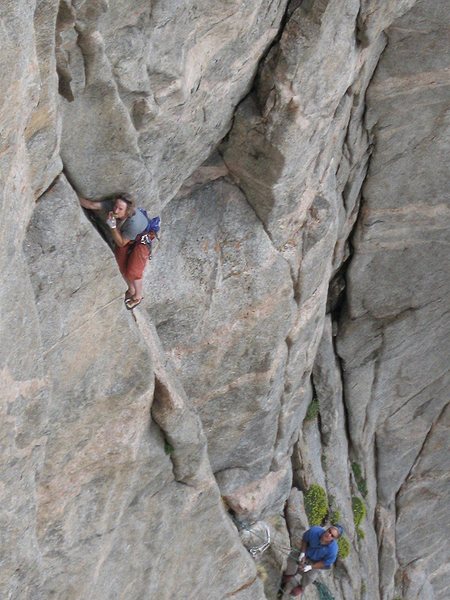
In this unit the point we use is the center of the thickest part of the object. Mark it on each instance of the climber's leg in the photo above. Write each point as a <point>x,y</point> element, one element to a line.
<point>309,577</point>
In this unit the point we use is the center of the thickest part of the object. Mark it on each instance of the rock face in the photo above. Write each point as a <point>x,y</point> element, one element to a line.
<point>295,323</point>
<point>394,336</point>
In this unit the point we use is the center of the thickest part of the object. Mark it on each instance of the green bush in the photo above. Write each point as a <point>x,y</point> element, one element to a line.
<point>313,410</point>
<point>316,504</point>
<point>344,547</point>
<point>360,481</point>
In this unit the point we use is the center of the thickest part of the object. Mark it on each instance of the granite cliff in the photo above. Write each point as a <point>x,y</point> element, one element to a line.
<point>295,331</point>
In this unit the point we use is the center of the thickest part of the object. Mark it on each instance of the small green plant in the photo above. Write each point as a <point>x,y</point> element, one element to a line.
<point>344,547</point>
<point>360,481</point>
<point>168,448</point>
<point>316,504</point>
<point>313,410</point>
<point>359,513</point>
<point>359,510</point>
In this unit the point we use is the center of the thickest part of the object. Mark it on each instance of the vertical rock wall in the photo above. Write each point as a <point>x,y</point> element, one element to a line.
<point>253,127</point>
<point>394,335</point>
<point>28,162</point>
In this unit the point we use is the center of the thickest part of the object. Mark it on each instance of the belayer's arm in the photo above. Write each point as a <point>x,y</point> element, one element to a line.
<point>319,565</point>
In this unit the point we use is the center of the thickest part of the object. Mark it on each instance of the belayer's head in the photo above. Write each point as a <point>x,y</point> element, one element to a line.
<point>124,206</point>
<point>333,532</point>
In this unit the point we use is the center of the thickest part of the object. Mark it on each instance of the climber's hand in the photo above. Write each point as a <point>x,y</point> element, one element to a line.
<point>111,221</point>
<point>307,568</point>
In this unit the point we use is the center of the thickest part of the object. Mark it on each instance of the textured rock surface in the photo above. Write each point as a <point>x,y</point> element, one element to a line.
<point>105,459</point>
<point>394,339</point>
<point>155,87</point>
<point>206,313</point>
<point>261,132</point>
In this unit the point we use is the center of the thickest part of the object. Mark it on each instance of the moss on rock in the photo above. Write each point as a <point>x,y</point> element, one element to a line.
<point>360,481</point>
<point>359,513</point>
<point>359,510</point>
<point>313,410</point>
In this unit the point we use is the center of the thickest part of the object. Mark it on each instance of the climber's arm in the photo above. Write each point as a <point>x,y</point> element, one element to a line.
<point>90,204</point>
<point>119,240</point>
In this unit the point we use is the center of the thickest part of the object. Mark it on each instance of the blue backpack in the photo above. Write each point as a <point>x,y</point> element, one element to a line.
<point>152,224</point>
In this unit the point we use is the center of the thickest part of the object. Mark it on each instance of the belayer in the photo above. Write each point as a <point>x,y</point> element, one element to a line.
<point>318,550</point>
<point>132,233</point>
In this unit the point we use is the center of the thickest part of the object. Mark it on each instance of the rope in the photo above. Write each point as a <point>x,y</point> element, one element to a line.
<point>286,550</point>
<point>322,591</point>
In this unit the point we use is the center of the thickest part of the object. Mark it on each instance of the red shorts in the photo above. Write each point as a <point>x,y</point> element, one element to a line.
<point>132,263</point>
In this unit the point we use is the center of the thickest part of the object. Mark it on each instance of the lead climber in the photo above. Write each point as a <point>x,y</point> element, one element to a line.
<point>318,550</point>
<point>132,240</point>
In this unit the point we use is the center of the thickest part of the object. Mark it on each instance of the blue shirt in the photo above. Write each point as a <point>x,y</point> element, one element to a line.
<point>316,551</point>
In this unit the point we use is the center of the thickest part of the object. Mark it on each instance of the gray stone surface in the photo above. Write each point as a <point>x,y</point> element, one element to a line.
<point>28,162</point>
<point>265,496</point>
<point>109,484</point>
<point>296,519</point>
<point>299,151</point>
<point>335,460</point>
<point>155,88</point>
<point>278,149</point>
<point>394,339</point>
<point>206,312</point>
<point>422,500</point>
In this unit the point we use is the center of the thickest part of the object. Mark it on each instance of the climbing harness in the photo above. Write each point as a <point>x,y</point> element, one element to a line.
<point>149,234</point>
<point>147,241</point>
